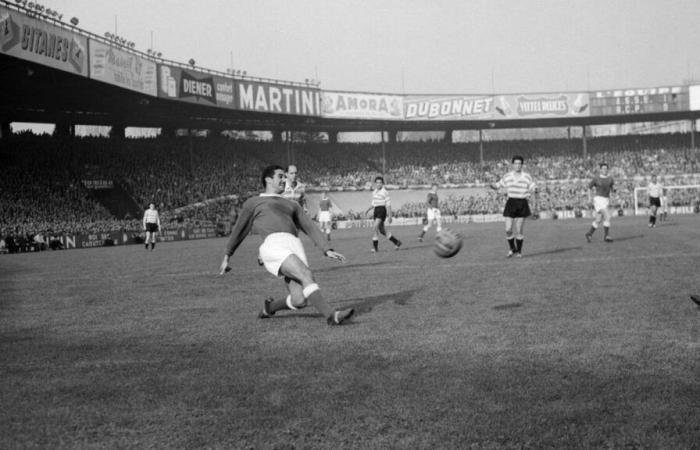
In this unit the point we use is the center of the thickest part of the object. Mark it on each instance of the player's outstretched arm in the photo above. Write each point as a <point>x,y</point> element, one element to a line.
<point>335,255</point>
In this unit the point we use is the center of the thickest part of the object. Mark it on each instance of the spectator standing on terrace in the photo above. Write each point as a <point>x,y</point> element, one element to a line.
<point>151,223</point>
<point>381,204</point>
<point>518,186</point>
<point>324,215</point>
<point>603,184</point>
<point>432,213</point>
<point>278,222</point>
<point>655,191</point>
<point>293,189</point>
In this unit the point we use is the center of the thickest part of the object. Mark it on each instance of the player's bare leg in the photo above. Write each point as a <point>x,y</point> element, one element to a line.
<point>509,237</point>
<point>652,216</point>
<point>295,269</point>
<point>607,216</point>
<point>594,225</point>
<point>378,229</point>
<point>518,224</point>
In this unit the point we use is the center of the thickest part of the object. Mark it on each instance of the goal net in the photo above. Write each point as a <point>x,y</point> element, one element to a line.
<point>679,199</point>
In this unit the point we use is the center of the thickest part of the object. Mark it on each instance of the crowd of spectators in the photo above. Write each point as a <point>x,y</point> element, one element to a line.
<point>204,179</point>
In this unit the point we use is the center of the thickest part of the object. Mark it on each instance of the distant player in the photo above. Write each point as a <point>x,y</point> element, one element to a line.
<point>519,186</point>
<point>655,190</point>
<point>278,222</point>
<point>381,204</point>
<point>664,205</point>
<point>151,223</point>
<point>603,185</point>
<point>433,212</point>
<point>293,189</point>
<point>324,215</point>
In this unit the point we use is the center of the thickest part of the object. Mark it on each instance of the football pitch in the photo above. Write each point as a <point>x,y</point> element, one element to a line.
<point>576,345</point>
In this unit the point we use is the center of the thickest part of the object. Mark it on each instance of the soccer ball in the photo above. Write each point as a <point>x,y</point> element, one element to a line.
<point>447,243</point>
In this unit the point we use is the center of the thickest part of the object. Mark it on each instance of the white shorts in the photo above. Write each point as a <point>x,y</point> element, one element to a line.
<point>433,214</point>
<point>324,216</point>
<point>277,247</point>
<point>600,203</point>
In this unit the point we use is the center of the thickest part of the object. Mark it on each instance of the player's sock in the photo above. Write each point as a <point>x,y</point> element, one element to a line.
<point>146,245</point>
<point>519,245</point>
<point>328,236</point>
<point>606,231</point>
<point>394,240</point>
<point>591,231</point>
<point>422,233</point>
<point>153,245</point>
<point>511,244</point>
<point>313,294</point>
<point>375,244</point>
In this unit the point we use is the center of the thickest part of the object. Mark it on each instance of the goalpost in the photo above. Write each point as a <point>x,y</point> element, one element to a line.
<point>679,199</point>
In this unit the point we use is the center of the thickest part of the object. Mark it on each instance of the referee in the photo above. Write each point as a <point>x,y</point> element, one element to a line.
<point>518,186</point>
<point>151,223</point>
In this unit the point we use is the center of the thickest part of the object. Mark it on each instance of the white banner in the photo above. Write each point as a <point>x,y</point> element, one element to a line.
<point>120,68</point>
<point>357,105</point>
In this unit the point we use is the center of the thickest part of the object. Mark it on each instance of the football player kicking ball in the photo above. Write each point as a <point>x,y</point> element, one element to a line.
<point>278,222</point>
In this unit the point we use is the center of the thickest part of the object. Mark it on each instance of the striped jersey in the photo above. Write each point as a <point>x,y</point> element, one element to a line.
<point>603,185</point>
<point>380,197</point>
<point>655,189</point>
<point>295,192</point>
<point>151,216</point>
<point>517,185</point>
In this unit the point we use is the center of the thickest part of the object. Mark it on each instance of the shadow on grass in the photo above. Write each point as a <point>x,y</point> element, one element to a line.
<point>366,304</point>
<point>627,238</point>
<point>350,266</point>
<point>554,251</point>
<point>508,306</point>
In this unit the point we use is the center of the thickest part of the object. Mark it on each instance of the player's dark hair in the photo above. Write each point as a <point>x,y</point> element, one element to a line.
<point>379,178</point>
<point>269,172</point>
<point>603,164</point>
<point>517,158</point>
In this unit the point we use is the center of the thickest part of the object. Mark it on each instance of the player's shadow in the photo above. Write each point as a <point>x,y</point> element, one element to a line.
<point>627,238</point>
<point>554,251</point>
<point>364,305</point>
<point>350,266</point>
<point>508,306</point>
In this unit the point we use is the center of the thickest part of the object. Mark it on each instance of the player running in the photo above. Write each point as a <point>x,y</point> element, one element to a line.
<point>381,204</point>
<point>433,212</point>
<point>278,221</point>
<point>655,190</point>
<point>603,185</point>
<point>293,189</point>
<point>519,186</point>
<point>324,215</point>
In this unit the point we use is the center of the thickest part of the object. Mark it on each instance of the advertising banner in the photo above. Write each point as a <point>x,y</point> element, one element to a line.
<point>278,98</point>
<point>194,87</point>
<point>203,88</point>
<point>640,100</point>
<point>357,105</point>
<point>111,238</point>
<point>33,40</point>
<point>115,66</point>
<point>502,107</point>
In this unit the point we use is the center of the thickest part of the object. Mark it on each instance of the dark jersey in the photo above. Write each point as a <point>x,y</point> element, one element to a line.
<point>603,185</point>
<point>432,200</point>
<point>325,204</point>
<point>267,214</point>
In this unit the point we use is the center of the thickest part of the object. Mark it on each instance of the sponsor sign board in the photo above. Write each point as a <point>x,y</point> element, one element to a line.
<point>694,92</point>
<point>247,95</point>
<point>357,105</point>
<point>33,40</point>
<point>115,66</point>
<point>502,107</point>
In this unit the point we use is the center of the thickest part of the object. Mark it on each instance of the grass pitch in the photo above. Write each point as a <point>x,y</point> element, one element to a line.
<point>575,345</point>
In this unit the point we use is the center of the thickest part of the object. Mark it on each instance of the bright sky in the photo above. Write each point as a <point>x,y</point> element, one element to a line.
<point>418,46</point>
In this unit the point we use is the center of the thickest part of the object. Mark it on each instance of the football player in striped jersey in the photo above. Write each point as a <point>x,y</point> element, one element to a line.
<point>655,190</point>
<point>519,186</point>
<point>381,204</point>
